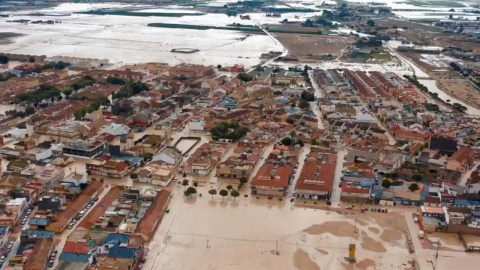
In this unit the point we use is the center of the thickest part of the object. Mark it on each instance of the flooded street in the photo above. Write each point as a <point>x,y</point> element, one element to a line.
<point>201,233</point>
<point>432,87</point>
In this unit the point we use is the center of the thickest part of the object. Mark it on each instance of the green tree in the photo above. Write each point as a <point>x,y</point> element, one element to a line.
<point>185,183</point>
<point>313,141</point>
<point>31,59</point>
<point>413,187</point>
<point>212,192</point>
<point>286,141</point>
<point>386,183</point>
<point>234,194</point>
<point>4,59</point>
<point>269,199</point>
<point>229,187</point>
<point>417,177</point>
<point>195,183</point>
<point>223,193</point>
<point>244,77</point>
<point>115,81</point>
<point>192,190</point>
<point>303,104</point>
<point>371,23</point>
<point>243,180</point>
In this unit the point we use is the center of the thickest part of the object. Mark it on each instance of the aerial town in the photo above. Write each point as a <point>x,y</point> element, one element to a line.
<point>282,135</point>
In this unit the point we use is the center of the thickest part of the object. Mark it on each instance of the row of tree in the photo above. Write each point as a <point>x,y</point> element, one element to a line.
<point>228,130</point>
<point>387,183</point>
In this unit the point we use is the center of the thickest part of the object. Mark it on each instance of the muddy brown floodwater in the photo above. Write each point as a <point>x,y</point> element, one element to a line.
<point>337,228</point>
<point>302,261</point>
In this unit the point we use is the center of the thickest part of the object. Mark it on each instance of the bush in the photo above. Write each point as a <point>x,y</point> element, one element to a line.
<point>386,183</point>
<point>244,77</point>
<point>4,59</point>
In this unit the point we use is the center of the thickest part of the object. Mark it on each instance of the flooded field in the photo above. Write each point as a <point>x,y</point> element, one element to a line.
<point>201,233</point>
<point>124,39</point>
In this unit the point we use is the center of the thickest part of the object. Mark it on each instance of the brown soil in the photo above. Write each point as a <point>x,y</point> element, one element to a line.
<point>313,47</point>
<point>362,222</point>
<point>322,251</point>
<point>374,230</point>
<point>372,245</point>
<point>391,221</point>
<point>337,228</point>
<point>302,261</point>
<point>391,235</point>
<point>460,89</point>
<point>365,264</point>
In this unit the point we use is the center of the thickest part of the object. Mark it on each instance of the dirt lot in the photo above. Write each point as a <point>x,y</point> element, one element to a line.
<point>445,40</point>
<point>434,71</point>
<point>460,89</point>
<point>205,233</point>
<point>293,27</point>
<point>407,24</point>
<point>472,240</point>
<point>436,38</point>
<point>309,48</point>
<point>448,241</point>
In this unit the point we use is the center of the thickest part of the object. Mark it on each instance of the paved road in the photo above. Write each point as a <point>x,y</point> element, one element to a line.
<point>301,160</point>
<point>64,236</point>
<point>335,197</point>
<point>314,104</point>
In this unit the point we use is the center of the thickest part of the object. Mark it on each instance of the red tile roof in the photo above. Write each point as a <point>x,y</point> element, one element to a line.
<point>268,176</point>
<point>154,215</point>
<point>435,200</point>
<point>463,154</point>
<point>39,256</point>
<point>75,207</point>
<point>97,212</point>
<point>347,187</point>
<point>318,174</point>
<point>78,248</point>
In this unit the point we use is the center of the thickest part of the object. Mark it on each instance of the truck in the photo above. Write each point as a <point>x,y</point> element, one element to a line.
<point>421,234</point>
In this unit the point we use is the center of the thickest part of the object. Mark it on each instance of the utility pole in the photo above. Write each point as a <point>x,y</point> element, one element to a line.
<point>436,255</point>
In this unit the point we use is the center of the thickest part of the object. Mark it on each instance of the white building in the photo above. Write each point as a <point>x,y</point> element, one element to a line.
<point>115,129</point>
